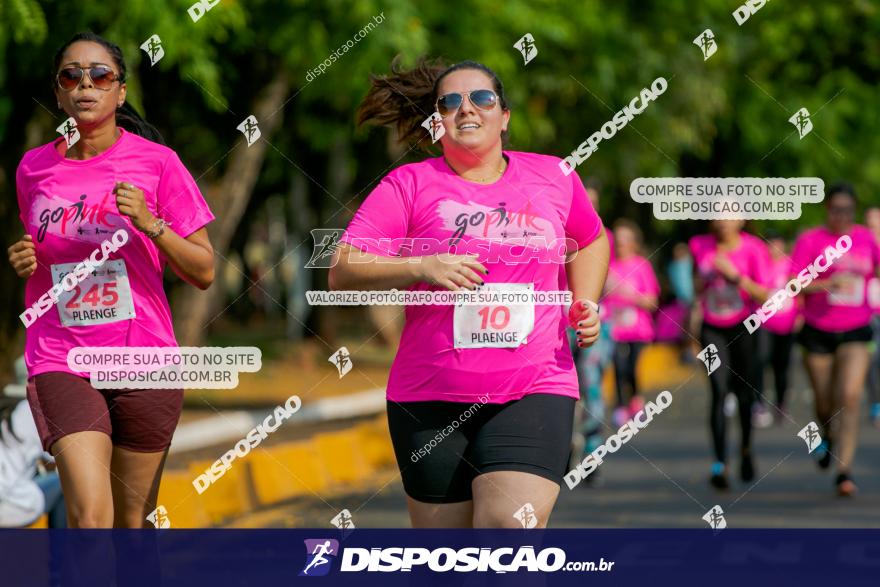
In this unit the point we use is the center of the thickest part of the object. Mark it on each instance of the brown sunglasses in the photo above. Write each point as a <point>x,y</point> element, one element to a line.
<point>101,75</point>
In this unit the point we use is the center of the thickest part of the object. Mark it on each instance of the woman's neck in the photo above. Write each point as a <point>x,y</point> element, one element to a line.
<point>730,241</point>
<point>93,141</point>
<point>845,229</point>
<point>485,168</point>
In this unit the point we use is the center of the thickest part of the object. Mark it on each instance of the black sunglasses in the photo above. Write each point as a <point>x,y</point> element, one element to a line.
<point>101,75</point>
<point>482,99</point>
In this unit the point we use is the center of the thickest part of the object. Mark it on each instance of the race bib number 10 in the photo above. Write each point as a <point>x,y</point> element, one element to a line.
<point>497,325</point>
<point>101,298</point>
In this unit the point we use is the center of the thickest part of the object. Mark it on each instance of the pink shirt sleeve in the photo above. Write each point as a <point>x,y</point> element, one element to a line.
<point>383,216</point>
<point>583,223</point>
<point>179,200</point>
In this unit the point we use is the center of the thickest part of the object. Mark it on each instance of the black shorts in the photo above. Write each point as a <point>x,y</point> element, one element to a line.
<point>442,446</point>
<point>820,341</point>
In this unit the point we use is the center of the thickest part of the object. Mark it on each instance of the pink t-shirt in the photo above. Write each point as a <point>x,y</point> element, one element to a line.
<point>429,202</point>
<point>629,322</point>
<point>725,304</point>
<point>847,309</point>
<point>783,321</point>
<point>68,208</point>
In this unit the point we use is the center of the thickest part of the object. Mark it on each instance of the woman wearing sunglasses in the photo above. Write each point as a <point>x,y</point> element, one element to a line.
<point>836,331</point>
<point>480,398</point>
<point>109,445</point>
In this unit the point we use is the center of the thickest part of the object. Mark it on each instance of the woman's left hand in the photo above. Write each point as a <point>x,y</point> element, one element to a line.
<point>130,202</point>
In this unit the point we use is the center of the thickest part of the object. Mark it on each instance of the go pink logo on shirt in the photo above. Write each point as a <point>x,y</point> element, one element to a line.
<point>476,220</point>
<point>78,219</point>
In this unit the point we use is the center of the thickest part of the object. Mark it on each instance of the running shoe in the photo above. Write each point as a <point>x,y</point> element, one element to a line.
<point>875,415</point>
<point>761,417</point>
<point>729,405</point>
<point>718,480</point>
<point>747,468</point>
<point>822,454</point>
<point>845,485</point>
<point>636,405</point>
<point>620,416</point>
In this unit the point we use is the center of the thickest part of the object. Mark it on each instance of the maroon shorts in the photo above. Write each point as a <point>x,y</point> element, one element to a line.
<point>140,420</point>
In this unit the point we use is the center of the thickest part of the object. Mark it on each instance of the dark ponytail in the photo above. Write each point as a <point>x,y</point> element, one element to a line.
<point>129,119</point>
<point>405,98</point>
<point>126,116</point>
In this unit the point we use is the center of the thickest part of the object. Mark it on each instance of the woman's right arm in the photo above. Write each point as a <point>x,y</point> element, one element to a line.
<point>23,256</point>
<point>357,270</point>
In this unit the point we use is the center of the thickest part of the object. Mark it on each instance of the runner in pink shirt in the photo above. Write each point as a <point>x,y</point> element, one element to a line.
<point>631,293</point>
<point>591,364</point>
<point>110,445</point>
<point>837,328</point>
<point>780,327</point>
<point>504,373</point>
<point>729,269</point>
<point>872,221</point>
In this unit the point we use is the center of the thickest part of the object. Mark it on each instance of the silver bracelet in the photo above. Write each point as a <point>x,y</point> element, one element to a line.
<point>158,229</point>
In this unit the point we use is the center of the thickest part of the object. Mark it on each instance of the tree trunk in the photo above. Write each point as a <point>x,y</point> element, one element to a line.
<point>229,198</point>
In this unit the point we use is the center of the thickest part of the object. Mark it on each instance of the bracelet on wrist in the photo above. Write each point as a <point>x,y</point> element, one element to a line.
<point>157,229</point>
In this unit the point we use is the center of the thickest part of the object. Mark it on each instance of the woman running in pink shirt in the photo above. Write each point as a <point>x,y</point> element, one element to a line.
<point>480,398</point>
<point>781,327</point>
<point>110,445</point>
<point>728,275</point>
<point>837,326</point>
<point>630,298</point>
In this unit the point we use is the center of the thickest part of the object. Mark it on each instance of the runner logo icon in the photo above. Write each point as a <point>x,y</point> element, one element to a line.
<point>319,556</point>
<point>710,358</point>
<point>526,46</point>
<point>706,42</point>
<point>434,125</point>
<point>326,241</point>
<point>801,121</point>
<point>810,435</point>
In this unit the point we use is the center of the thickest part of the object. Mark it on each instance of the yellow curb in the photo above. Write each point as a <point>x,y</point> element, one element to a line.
<point>185,507</point>
<point>287,470</point>
<point>41,523</point>
<point>343,456</point>
<point>228,496</point>
<point>375,442</point>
